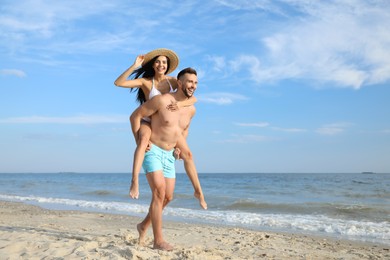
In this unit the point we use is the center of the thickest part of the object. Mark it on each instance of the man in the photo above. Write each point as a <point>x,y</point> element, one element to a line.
<point>167,127</point>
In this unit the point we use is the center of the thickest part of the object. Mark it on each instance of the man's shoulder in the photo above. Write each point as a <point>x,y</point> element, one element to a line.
<point>193,109</point>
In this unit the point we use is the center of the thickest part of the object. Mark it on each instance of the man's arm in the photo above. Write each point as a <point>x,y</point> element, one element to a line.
<point>185,103</point>
<point>185,130</point>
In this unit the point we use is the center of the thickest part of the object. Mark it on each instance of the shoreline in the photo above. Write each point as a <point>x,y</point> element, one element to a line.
<point>28,231</point>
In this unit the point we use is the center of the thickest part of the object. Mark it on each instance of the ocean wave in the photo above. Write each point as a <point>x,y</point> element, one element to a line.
<point>258,206</point>
<point>377,232</point>
<point>99,193</point>
<point>347,211</point>
<point>316,224</point>
<point>110,206</point>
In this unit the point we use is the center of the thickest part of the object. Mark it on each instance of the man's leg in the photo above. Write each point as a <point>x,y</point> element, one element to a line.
<point>144,225</point>
<point>158,186</point>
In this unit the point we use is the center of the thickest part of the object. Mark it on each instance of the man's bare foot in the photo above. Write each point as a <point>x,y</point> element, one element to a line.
<point>142,235</point>
<point>134,191</point>
<point>163,246</point>
<point>201,199</point>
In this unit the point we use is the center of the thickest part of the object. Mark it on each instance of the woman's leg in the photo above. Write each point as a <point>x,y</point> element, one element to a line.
<point>189,166</point>
<point>139,154</point>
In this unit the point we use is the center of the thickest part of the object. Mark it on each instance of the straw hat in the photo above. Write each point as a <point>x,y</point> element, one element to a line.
<point>172,56</point>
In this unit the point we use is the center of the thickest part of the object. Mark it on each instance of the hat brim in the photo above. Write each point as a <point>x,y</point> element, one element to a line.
<point>171,55</point>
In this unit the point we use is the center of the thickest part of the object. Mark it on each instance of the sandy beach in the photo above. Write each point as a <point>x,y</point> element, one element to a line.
<point>30,232</point>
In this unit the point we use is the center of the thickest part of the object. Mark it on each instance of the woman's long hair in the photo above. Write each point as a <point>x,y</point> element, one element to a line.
<point>146,71</point>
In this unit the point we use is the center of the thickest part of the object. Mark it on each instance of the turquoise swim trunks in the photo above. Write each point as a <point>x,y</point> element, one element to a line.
<point>159,159</point>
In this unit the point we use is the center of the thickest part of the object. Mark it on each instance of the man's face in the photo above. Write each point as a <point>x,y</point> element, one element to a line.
<point>189,83</point>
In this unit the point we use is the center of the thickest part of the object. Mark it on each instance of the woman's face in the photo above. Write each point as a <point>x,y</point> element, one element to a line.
<point>160,65</point>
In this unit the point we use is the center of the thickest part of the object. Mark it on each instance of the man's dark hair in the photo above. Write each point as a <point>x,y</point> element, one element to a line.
<point>186,70</point>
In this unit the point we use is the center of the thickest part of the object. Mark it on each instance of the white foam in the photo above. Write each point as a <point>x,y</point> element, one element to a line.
<point>317,224</point>
<point>82,204</point>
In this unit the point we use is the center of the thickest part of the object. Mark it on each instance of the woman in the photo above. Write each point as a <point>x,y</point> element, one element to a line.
<point>150,79</point>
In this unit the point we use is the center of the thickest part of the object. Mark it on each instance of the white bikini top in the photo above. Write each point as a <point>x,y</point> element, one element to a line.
<point>154,91</point>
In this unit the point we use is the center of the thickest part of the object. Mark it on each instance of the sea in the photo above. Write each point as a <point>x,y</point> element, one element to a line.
<point>353,206</point>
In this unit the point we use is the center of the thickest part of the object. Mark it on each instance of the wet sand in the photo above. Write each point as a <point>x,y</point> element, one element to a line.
<point>30,232</point>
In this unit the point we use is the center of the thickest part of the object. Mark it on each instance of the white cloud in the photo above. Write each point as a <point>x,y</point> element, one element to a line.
<point>219,63</point>
<point>289,130</point>
<point>45,17</point>
<point>337,43</point>
<point>221,98</point>
<point>266,124</point>
<point>341,42</point>
<point>333,129</point>
<point>13,72</point>
<point>252,62</point>
<point>41,29</point>
<point>330,130</point>
<point>248,4</point>
<point>81,119</point>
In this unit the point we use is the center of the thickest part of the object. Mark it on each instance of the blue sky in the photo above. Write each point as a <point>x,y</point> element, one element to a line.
<point>284,86</point>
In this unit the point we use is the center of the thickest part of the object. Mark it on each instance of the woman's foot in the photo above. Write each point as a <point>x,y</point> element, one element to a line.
<point>201,199</point>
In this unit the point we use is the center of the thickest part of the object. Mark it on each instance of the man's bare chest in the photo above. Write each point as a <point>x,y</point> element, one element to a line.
<point>168,118</point>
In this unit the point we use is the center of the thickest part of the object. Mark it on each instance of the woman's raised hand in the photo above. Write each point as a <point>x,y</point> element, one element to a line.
<point>138,61</point>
